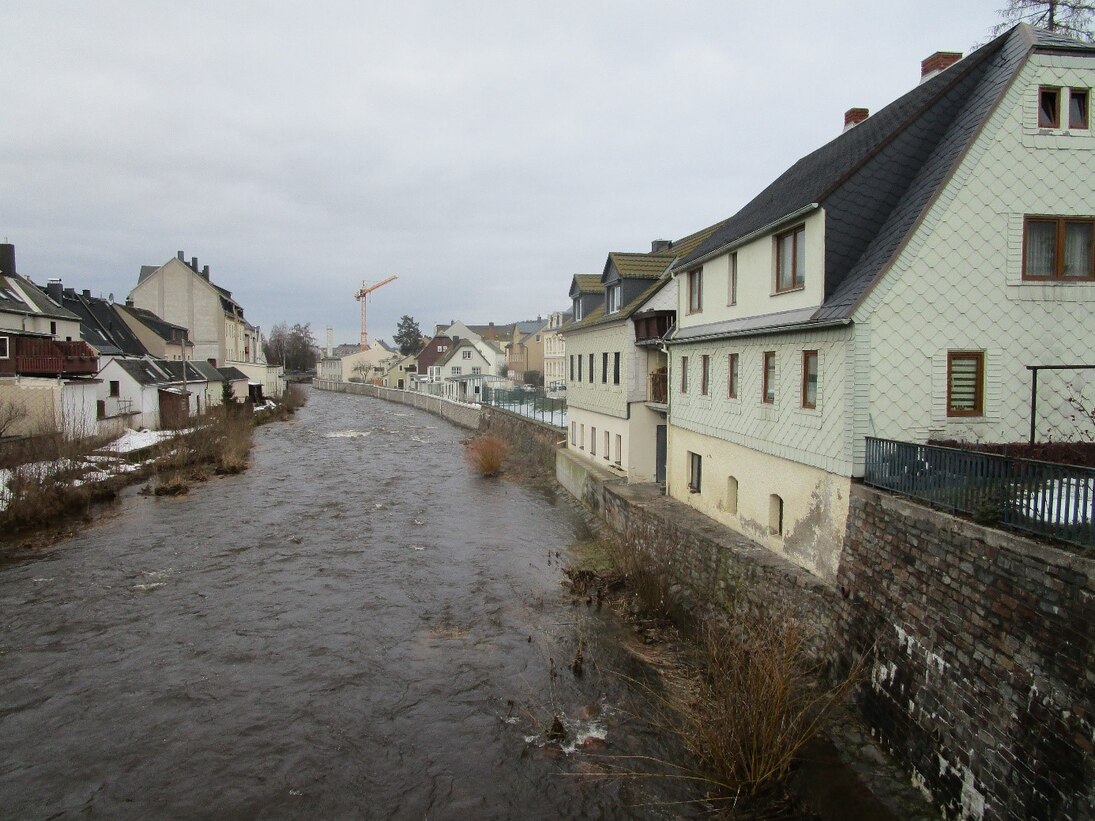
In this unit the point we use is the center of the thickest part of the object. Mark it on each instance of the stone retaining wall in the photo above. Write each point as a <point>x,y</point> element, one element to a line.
<point>466,416</point>
<point>984,675</point>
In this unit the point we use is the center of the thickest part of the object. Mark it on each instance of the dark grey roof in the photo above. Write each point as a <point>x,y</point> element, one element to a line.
<point>168,331</point>
<point>210,373</point>
<point>146,371</point>
<point>876,180</point>
<point>36,300</point>
<point>232,373</point>
<point>193,374</point>
<point>100,325</point>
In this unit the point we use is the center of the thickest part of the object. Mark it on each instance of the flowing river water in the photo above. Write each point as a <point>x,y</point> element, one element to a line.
<point>357,627</point>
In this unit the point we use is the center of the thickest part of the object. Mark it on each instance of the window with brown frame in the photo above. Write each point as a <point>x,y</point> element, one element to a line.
<point>4,347</point>
<point>809,379</point>
<point>965,383</point>
<point>705,370</point>
<point>732,376</point>
<point>1077,108</point>
<point>732,295</point>
<point>1049,107</point>
<point>684,374</point>
<point>768,382</point>
<point>1059,248</point>
<point>791,259</point>
<point>695,291</point>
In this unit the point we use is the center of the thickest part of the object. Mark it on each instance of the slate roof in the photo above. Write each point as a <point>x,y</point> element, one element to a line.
<point>210,373</point>
<point>876,180</point>
<point>100,325</point>
<point>193,373</point>
<point>146,371</point>
<point>17,293</point>
<point>168,331</point>
<point>232,374</point>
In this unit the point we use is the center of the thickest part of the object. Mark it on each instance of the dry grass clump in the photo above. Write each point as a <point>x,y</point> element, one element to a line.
<point>647,568</point>
<point>762,694</point>
<point>486,454</point>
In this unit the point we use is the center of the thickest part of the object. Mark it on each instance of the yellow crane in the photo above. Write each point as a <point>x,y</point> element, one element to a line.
<point>362,297</point>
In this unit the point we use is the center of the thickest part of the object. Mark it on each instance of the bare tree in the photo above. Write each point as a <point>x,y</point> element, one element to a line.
<point>1072,18</point>
<point>10,413</point>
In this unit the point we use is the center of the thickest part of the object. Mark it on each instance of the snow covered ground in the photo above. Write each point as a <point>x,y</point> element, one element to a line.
<point>1073,499</point>
<point>108,461</point>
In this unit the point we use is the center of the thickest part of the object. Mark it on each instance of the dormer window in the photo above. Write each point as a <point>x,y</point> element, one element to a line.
<point>791,259</point>
<point>612,294</point>
<point>577,308</point>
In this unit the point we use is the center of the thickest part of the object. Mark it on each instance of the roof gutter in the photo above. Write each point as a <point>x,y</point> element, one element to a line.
<point>752,235</point>
<point>809,325</point>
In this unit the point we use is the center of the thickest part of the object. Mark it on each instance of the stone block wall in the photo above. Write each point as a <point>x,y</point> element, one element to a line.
<point>983,679</point>
<point>466,416</point>
<point>534,443</point>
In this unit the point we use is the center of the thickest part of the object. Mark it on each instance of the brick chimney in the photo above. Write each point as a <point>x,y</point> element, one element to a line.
<point>939,61</point>
<point>854,116</point>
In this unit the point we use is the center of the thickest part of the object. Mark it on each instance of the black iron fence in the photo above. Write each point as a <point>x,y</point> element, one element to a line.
<point>528,402</point>
<point>1039,497</point>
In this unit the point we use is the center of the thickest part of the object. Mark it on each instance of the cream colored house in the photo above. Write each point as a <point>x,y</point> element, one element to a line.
<point>896,283</point>
<point>555,349</point>
<point>366,366</point>
<point>183,294</point>
<point>615,360</point>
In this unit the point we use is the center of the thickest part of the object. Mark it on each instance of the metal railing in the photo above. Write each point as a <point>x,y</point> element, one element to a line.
<point>531,403</point>
<point>1044,498</point>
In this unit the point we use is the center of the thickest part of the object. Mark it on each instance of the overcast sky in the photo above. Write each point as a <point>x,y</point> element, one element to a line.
<point>483,152</point>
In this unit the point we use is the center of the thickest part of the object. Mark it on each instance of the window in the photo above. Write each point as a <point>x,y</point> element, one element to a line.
<point>577,308</point>
<point>965,383</point>
<point>606,445</point>
<point>476,372</point>
<point>732,296</point>
<point>592,441</point>
<point>457,370</point>
<point>591,369</point>
<point>768,382</point>
<point>731,495</point>
<point>616,368</point>
<point>1077,107</point>
<point>695,291</point>
<point>4,347</point>
<point>579,367</point>
<point>604,368</point>
<point>115,388</point>
<point>1058,248</point>
<point>695,472</point>
<point>705,370</point>
<point>809,379</point>
<point>775,515</point>
<point>572,367</point>
<point>1049,99</point>
<point>684,374</point>
<point>582,436</point>
<point>732,376</point>
<point>612,294</point>
<point>53,328</point>
<point>573,433</point>
<point>467,354</point>
<point>791,259</point>
<point>442,348</point>
<point>619,449</point>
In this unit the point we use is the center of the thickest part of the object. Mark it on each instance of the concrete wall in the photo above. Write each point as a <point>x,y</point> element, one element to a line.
<point>983,680</point>
<point>467,416</point>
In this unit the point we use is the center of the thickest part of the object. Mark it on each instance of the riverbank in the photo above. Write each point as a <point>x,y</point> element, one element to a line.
<point>49,487</point>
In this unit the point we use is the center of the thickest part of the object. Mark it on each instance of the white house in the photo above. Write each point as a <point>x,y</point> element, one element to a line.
<point>463,371</point>
<point>895,283</point>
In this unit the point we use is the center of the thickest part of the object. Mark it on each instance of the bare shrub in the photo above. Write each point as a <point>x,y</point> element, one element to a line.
<point>11,412</point>
<point>486,454</point>
<point>647,568</point>
<point>763,692</point>
<point>294,397</point>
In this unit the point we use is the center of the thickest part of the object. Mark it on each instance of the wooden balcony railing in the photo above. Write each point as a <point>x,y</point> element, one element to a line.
<point>659,388</point>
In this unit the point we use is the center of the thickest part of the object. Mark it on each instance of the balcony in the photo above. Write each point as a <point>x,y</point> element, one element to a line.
<point>49,357</point>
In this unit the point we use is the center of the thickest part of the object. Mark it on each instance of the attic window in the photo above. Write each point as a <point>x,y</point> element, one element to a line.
<point>1049,108</point>
<point>577,308</point>
<point>612,294</point>
<point>1077,108</point>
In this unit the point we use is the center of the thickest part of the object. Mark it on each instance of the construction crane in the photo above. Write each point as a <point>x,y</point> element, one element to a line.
<point>362,297</point>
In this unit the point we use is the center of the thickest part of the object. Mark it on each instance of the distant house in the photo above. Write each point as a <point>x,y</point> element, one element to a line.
<point>525,352</point>
<point>162,339</point>
<point>145,393</point>
<point>183,294</point>
<point>616,362</point>
<point>242,388</point>
<point>555,371</point>
<point>464,372</point>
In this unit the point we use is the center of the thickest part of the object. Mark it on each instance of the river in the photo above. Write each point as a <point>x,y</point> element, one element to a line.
<point>356,627</point>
